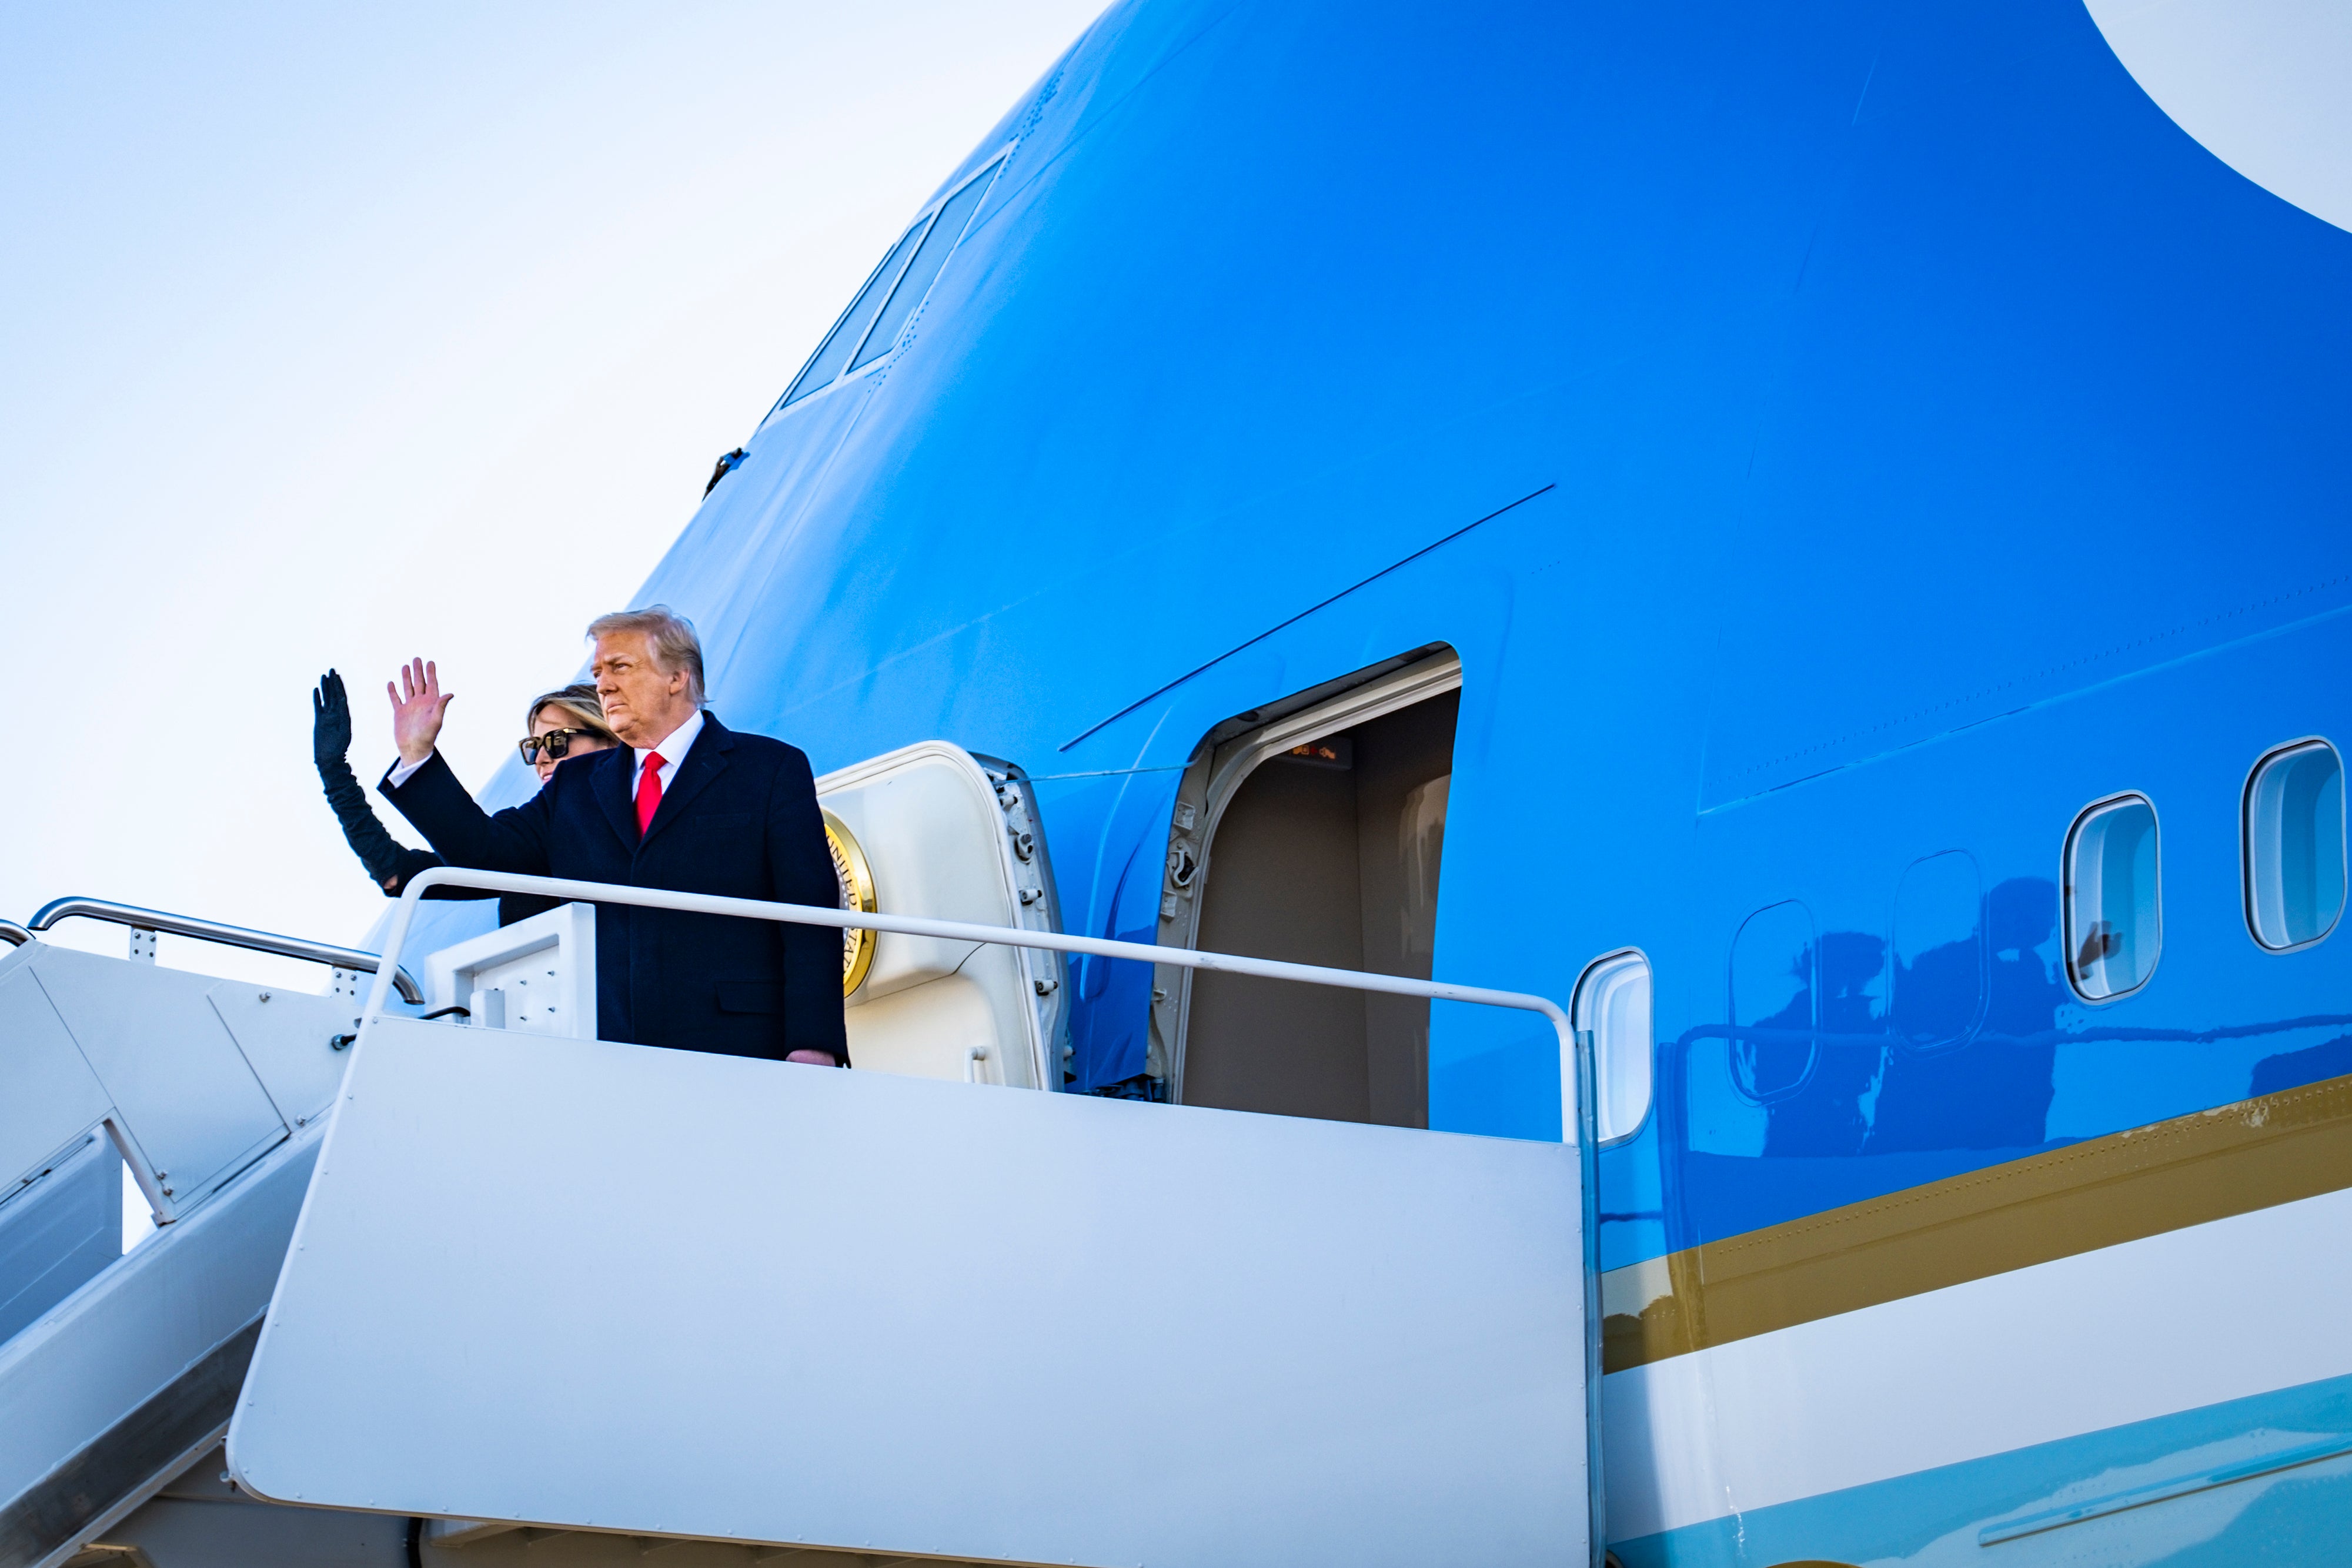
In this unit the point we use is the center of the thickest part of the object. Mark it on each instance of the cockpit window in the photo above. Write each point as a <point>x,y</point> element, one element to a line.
<point>945,231</point>
<point>833,354</point>
<point>892,293</point>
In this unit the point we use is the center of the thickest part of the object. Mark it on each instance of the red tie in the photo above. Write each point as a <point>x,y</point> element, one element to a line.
<point>649,791</point>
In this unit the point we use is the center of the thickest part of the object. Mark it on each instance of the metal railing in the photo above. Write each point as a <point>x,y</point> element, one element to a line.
<point>14,935</point>
<point>963,931</point>
<point>386,969</point>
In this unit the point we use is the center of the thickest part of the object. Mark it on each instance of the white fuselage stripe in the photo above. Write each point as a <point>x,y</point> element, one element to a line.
<point>2170,1323</point>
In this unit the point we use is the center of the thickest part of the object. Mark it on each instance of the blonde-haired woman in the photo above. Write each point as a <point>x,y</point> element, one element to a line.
<point>559,725</point>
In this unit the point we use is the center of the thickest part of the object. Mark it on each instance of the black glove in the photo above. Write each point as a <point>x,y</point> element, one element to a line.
<point>331,721</point>
<point>330,736</point>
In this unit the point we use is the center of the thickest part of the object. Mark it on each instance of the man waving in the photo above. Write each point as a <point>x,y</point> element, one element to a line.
<point>683,803</point>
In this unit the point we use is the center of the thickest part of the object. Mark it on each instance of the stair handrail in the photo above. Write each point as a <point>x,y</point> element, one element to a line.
<point>386,969</point>
<point>957,931</point>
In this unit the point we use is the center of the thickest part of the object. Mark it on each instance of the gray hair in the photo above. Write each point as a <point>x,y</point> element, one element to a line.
<point>670,636</point>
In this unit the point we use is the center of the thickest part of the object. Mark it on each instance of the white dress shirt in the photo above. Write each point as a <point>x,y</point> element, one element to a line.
<point>673,748</point>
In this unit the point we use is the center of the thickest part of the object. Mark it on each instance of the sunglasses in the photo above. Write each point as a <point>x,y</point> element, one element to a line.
<point>556,743</point>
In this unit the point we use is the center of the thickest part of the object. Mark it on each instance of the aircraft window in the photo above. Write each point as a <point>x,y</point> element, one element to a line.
<point>826,363</point>
<point>924,268</point>
<point>1939,958</point>
<point>1613,1013</point>
<point>1775,1029</point>
<point>2294,845</point>
<point>2114,911</point>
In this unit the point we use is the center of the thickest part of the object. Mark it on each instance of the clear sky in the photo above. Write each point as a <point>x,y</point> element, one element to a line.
<point>329,335</point>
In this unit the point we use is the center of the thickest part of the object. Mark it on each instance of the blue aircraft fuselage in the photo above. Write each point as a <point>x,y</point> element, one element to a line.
<point>1831,437</point>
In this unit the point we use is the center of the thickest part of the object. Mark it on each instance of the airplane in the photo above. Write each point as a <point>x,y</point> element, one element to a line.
<point>1813,539</point>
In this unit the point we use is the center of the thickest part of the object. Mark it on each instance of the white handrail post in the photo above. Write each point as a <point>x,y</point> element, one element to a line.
<point>395,939</point>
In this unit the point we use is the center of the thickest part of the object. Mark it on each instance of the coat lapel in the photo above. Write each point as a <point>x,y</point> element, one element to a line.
<point>705,760</point>
<point>611,785</point>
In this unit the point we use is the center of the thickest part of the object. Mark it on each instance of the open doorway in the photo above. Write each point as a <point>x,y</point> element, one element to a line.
<point>1312,831</point>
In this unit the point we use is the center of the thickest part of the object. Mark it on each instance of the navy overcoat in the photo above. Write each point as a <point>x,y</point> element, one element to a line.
<point>740,819</point>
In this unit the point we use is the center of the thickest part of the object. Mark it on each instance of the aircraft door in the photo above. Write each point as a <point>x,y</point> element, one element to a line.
<point>1311,831</point>
<point>932,830</point>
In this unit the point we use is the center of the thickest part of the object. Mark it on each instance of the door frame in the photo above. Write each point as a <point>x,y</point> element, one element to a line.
<point>1223,761</point>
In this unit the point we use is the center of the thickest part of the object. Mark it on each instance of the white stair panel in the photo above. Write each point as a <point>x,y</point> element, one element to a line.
<point>703,1296</point>
<point>181,1091</point>
<point>52,1096</point>
<point>112,1391</point>
<point>59,1231</point>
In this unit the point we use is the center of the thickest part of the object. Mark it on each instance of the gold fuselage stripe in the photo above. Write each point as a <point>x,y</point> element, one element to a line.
<point>2255,1154</point>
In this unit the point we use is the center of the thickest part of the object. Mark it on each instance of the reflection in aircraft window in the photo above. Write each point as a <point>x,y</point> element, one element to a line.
<point>2294,845</point>
<point>2114,921</point>
<point>1939,958</point>
<point>1775,1031</point>
<point>1612,1014</point>
<point>923,268</point>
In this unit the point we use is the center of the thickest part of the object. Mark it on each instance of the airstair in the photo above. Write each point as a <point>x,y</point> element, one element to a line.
<point>479,1288</point>
<point>118,1370</point>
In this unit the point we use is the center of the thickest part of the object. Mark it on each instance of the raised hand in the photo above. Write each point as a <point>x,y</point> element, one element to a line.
<point>331,721</point>
<point>417,704</point>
